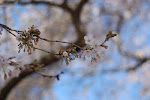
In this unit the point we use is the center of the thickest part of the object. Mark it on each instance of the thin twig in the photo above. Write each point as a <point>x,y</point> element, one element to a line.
<point>61,42</point>
<point>46,51</point>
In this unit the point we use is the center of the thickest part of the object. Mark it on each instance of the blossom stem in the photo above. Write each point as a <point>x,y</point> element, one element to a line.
<point>9,30</point>
<point>61,42</point>
<point>45,51</point>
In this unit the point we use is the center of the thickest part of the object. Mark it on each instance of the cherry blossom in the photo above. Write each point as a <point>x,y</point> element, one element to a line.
<point>5,72</point>
<point>65,54</point>
<point>8,68</point>
<point>96,46</point>
<point>28,39</point>
<point>94,61</point>
<point>3,61</point>
<point>88,39</point>
<point>113,32</point>
<point>18,37</point>
<point>87,53</point>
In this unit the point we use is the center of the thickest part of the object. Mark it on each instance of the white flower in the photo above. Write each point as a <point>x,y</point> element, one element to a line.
<point>3,61</point>
<point>68,59</point>
<point>96,46</point>
<point>87,53</point>
<point>97,56</point>
<point>18,37</point>
<point>94,62</point>
<point>113,32</point>
<point>8,70</point>
<point>19,66</point>
<point>5,72</point>
<point>65,53</point>
<point>88,39</point>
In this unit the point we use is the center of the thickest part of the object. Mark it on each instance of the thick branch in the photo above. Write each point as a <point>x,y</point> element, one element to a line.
<point>13,82</point>
<point>49,3</point>
<point>138,65</point>
<point>80,6</point>
<point>129,69</point>
<point>31,2</point>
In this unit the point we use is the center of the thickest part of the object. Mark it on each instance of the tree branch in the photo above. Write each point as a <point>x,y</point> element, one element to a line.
<point>47,60</point>
<point>49,3</point>
<point>13,82</point>
<point>138,65</point>
<point>80,6</point>
<point>140,60</point>
<point>129,69</point>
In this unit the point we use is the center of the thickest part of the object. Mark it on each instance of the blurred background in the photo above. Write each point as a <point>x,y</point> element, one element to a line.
<point>124,70</point>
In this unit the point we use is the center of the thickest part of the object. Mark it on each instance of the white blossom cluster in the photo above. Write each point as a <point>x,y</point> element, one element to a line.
<point>27,40</point>
<point>8,68</point>
<point>93,49</point>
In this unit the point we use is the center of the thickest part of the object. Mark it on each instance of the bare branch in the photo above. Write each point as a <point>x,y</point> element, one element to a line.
<point>80,6</point>
<point>138,65</point>
<point>140,60</point>
<point>49,3</point>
